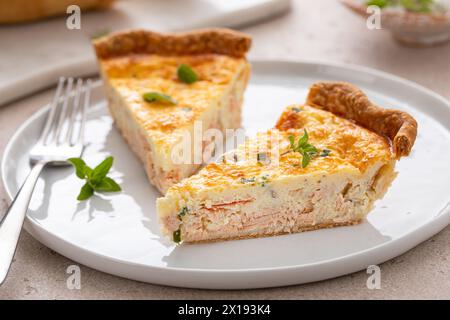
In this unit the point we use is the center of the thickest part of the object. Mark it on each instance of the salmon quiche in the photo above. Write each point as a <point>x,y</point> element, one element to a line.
<point>160,86</point>
<point>323,165</point>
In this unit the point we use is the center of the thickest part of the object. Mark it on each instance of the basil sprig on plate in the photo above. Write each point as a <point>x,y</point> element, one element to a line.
<point>96,179</point>
<point>186,74</point>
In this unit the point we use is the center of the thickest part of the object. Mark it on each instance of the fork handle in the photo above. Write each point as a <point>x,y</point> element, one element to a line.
<point>11,224</point>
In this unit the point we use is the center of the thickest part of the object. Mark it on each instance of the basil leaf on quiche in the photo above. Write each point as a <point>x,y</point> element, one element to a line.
<point>307,150</point>
<point>186,74</point>
<point>154,96</point>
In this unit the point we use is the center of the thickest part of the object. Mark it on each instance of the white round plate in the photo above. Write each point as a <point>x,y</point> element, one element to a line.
<point>119,233</point>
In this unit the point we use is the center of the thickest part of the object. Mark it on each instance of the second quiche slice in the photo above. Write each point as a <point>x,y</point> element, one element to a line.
<point>323,165</point>
<point>139,62</point>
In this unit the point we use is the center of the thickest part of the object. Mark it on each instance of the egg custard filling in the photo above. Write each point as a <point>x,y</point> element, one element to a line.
<point>324,164</point>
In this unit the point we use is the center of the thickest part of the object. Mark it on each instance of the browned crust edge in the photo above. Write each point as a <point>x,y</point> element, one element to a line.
<point>347,101</point>
<point>325,225</point>
<point>219,41</point>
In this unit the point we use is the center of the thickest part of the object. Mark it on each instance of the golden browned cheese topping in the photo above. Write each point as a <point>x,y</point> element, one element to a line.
<point>134,75</point>
<point>350,148</point>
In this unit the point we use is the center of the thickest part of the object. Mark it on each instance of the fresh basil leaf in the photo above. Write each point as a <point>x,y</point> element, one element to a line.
<point>79,165</point>
<point>86,192</point>
<point>100,171</point>
<point>88,171</point>
<point>303,140</point>
<point>107,185</point>
<point>309,148</point>
<point>305,159</point>
<point>292,141</point>
<point>186,74</point>
<point>96,179</point>
<point>158,97</point>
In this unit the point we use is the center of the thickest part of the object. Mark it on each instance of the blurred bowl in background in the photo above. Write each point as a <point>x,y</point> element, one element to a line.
<point>410,28</point>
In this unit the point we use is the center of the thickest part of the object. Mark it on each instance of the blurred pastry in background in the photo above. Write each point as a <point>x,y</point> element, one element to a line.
<point>19,11</point>
<point>419,23</point>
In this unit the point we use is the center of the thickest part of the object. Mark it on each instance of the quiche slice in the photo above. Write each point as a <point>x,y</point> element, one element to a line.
<point>323,165</point>
<point>160,86</point>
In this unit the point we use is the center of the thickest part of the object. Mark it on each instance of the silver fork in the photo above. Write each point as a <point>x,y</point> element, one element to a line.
<point>62,137</point>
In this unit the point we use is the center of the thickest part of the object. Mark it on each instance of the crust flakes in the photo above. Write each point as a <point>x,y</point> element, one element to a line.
<point>325,225</point>
<point>347,101</point>
<point>220,41</point>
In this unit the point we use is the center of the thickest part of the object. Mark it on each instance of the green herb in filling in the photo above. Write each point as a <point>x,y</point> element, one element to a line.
<point>183,212</point>
<point>250,180</point>
<point>264,180</point>
<point>325,153</point>
<point>177,236</point>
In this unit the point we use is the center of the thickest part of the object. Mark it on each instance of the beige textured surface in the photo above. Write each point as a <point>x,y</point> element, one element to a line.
<point>313,30</point>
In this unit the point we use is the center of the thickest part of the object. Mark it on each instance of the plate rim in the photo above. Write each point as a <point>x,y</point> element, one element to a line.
<point>435,224</point>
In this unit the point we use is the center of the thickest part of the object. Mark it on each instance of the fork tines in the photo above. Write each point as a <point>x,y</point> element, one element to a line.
<point>66,119</point>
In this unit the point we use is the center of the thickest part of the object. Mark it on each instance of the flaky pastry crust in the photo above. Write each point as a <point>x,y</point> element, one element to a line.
<point>220,41</point>
<point>327,225</point>
<point>347,101</point>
